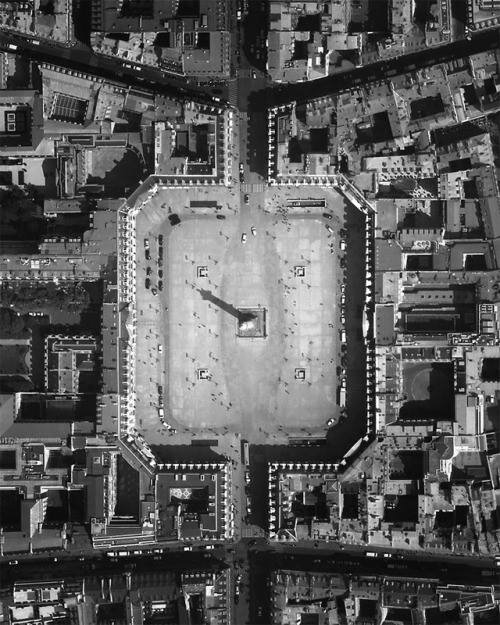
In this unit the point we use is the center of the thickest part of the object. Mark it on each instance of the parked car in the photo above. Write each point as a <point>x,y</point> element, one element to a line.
<point>244,237</point>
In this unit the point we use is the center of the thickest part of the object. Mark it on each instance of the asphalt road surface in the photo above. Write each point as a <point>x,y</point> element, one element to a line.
<point>81,58</point>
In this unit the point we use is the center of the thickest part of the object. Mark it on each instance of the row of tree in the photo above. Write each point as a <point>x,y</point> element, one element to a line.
<point>28,297</point>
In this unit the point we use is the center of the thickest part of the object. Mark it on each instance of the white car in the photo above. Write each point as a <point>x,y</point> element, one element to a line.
<point>244,237</point>
<point>343,245</point>
<point>160,348</point>
<point>11,46</point>
<point>329,228</point>
<point>188,549</point>
<point>253,230</point>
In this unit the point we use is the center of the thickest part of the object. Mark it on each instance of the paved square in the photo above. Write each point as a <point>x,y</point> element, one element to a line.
<point>192,323</point>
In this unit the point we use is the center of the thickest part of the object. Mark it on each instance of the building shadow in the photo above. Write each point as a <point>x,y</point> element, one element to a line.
<point>439,402</point>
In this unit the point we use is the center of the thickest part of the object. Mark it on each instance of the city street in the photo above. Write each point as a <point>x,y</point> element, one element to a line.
<point>246,326</point>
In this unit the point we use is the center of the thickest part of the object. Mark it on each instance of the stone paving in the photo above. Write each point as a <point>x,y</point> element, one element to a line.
<point>187,331</point>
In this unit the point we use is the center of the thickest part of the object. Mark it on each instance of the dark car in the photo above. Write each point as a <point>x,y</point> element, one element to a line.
<point>160,285</point>
<point>147,283</point>
<point>149,271</point>
<point>174,219</point>
<point>160,239</point>
<point>327,215</point>
<point>246,198</point>
<point>220,216</point>
<point>160,273</point>
<point>148,254</point>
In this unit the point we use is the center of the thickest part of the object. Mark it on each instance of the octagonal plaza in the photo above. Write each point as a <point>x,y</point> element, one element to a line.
<point>193,280</point>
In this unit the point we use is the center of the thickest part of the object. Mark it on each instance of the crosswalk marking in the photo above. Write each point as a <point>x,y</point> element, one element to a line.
<point>249,187</point>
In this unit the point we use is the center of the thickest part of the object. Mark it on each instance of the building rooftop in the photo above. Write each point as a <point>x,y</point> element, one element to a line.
<point>193,502</point>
